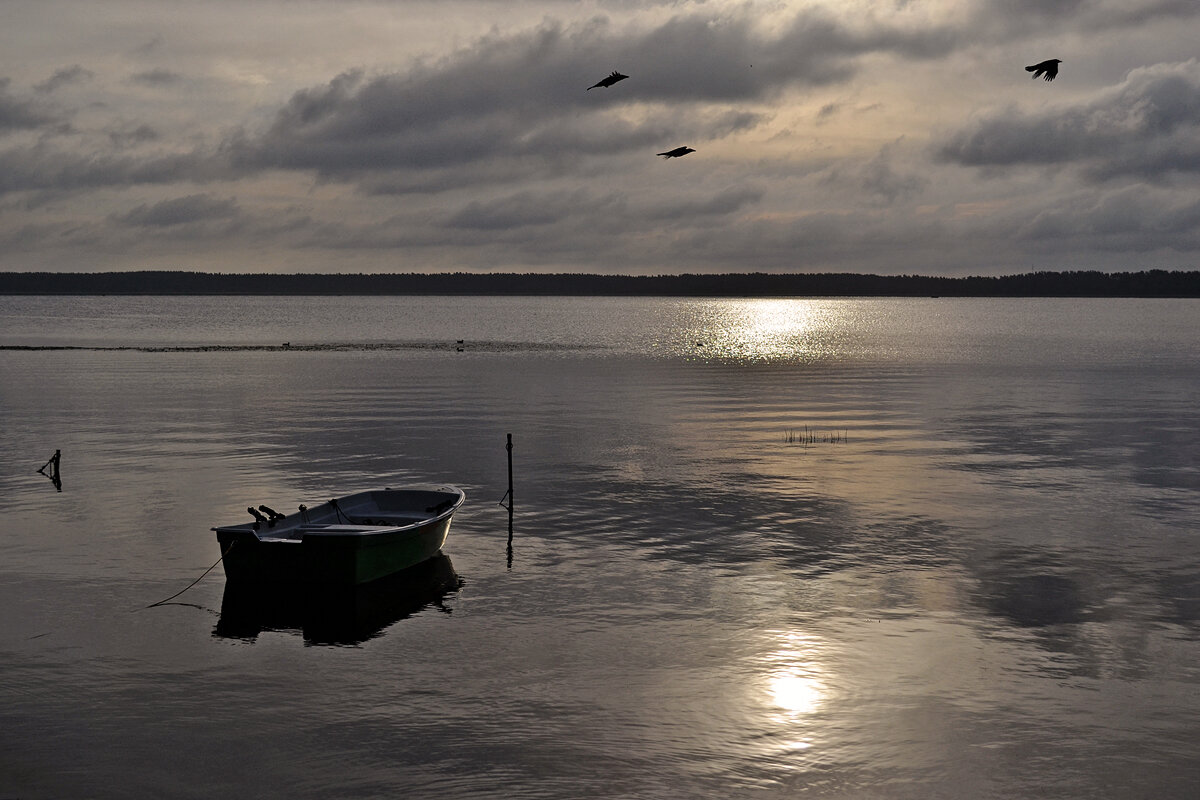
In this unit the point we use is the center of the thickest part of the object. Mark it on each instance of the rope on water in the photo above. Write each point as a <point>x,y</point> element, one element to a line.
<point>193,583</point>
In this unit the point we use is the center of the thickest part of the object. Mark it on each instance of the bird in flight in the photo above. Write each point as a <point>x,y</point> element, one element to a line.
<point>609,81</point>
<point>1049,67</point>
<point>676,153</point>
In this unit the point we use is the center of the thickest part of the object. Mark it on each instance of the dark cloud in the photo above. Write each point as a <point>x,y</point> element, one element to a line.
<point>63,77</point>
<point>1130,219</point>
<point>728,59</point>
<point>515,211</point>
<point>18,113</point>
<point>828,110</point>
<point>729,201</point>
<point>127,136</point>
<point>494,155</point>
<point>448,178</point>
<point>523,95</point>
<point>1009,17</point>
<point>181,211</point>
<point>598,212</point>
<point>878,177</point>
<point>1147,127</point>
<point>45,168</point>
<point>37,237</point>
<point>882,178</point>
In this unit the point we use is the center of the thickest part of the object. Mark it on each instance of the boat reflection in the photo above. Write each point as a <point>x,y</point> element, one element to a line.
<point>336,615</point>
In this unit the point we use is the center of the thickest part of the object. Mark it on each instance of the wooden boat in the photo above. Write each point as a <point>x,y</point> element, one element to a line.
<point>348,541</point>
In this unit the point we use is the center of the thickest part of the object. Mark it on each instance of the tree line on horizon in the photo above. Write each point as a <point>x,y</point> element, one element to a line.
<point>1147,283</point>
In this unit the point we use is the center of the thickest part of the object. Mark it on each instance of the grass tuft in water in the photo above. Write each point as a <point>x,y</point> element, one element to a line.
<point>813,436</point>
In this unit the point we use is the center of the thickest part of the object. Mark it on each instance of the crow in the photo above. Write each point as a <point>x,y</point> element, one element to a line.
<point>609,81</point>
<point>676,153</point>
<point>1049,67</point>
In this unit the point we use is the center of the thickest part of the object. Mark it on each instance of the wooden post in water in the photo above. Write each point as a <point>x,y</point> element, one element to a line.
<point>509,496</point>
<point>54,475</point>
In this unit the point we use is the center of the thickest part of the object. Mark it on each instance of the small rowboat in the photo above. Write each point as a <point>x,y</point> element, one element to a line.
<point>349,541</point>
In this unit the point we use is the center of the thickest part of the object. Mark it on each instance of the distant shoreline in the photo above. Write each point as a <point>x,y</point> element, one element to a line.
<point>1149,283</point>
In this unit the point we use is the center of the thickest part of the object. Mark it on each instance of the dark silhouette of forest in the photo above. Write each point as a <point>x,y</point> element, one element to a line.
<point>1149,283</point>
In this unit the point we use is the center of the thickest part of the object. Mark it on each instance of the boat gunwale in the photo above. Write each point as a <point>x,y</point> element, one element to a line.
<point>350,530</point>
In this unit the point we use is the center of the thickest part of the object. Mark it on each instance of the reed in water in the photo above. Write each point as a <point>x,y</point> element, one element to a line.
<point>813,436</point>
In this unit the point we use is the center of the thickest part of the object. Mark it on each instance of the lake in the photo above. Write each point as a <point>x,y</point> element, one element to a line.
<point>853,548</point>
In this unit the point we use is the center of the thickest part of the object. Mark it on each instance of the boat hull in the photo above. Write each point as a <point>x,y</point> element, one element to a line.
<point>333,546</point>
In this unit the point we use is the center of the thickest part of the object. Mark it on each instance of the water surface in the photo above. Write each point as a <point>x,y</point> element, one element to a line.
<point>831,548</point>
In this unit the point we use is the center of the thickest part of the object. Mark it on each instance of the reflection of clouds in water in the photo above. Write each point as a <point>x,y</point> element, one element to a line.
<point>1087,424</point>
<point>1085,618</point>
<point>1181,593</point>
<point>1035,600</point>
<point>1036,588</point>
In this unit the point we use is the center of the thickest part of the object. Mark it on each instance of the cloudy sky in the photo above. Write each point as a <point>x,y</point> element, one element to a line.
<point>885,136</point>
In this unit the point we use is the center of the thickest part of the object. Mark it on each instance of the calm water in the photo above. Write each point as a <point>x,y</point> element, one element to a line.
<point>829,548</point>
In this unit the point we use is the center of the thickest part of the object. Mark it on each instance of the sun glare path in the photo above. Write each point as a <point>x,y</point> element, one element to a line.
<point>766,330</point>
<point>795,684</point>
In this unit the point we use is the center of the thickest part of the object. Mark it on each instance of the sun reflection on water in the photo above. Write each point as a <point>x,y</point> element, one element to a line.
<point>796,693</point>
<point>795,689</point>
<point>768,330</point>
<point>795,682</point>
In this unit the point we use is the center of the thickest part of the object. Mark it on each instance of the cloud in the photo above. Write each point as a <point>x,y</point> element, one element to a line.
<point>1146,127</point>
<point>828,110</point>
<point>879,178</point>
<point>723,203</point>
<point>1129,219</point>
<point>63,77</point>
<point>150,46</point>
<point>488,153</point>
<point>522,95</point>
<point>509,106</point>
<point>181,211</point>
<point>883,180</point>
<point>1018,17</point>
<point>19,113</point>
<point>156,78</point>
<point>44,168</point>
<point>515,211</point>
<point>607,211</point>
<point>131,136</point>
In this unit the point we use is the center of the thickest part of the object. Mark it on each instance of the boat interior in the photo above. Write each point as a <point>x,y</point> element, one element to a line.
<point>366,512</point>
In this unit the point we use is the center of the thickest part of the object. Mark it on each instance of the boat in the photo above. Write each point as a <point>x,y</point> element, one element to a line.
<point>348,541</point>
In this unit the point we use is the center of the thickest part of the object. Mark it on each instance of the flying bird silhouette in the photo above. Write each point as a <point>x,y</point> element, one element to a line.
<point>676,153</point>
<point>1049,67</point>
<point>609,81</point>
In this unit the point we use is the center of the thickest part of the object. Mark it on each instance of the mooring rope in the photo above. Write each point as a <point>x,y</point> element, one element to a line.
<point>193,583</point>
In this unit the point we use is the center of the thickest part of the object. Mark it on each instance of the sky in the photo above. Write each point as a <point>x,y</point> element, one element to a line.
<point>871,136</point>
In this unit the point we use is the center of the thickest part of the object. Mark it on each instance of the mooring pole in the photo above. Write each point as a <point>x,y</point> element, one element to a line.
<point>509,496</point>
<point>508,447</point>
